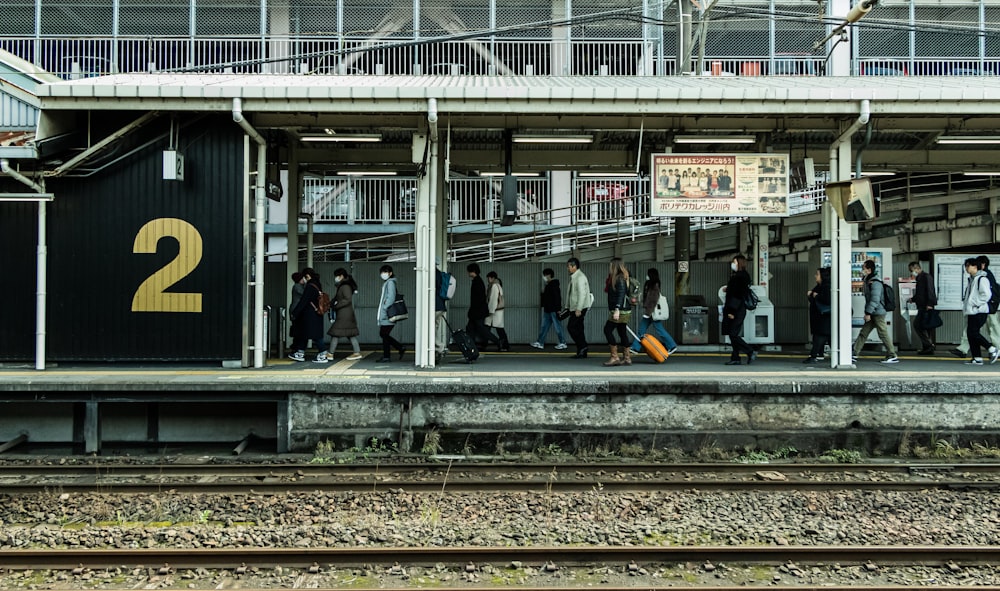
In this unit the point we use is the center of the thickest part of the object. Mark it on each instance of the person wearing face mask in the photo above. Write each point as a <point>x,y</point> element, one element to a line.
<point>551,304</point>
<point>650,298</point>
<point>345,323</point>
<point>479,309</point>
<point>734,312</point>
<point>924,298</point>
<point>385,325</point>
<point>311,322</point>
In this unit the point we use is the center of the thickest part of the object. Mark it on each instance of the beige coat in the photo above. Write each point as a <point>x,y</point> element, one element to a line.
<point>493,292</point>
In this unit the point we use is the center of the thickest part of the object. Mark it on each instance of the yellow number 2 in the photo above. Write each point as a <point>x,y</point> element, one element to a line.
<point>152,295</point>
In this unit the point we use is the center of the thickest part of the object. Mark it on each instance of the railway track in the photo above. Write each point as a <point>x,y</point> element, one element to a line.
<point>465,477</point>
<point>471,558</point>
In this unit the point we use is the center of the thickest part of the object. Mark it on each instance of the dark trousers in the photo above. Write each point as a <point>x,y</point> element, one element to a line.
<point>819,343</point>
<point>976,338</point>
<point>922,333</point>
<point>388,342</point>
<point>483,335</point>
<point>734,329</point>
<point>609,333</point>
<point>576,330</point>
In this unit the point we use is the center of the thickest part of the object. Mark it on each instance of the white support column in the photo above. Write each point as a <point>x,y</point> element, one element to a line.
<point>841,343</point>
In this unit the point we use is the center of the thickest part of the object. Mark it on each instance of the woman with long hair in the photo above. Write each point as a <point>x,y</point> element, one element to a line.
<point>619,312</point>
<point>819,315</point>
<point>734,312</point>
<point>495,305</point>
<point>345,323</point>
<point>650,298</point>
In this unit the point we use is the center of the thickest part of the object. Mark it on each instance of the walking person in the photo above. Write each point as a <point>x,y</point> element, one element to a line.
<point>975,306</point>
<point>385,325</point>
<point>924,298</point>
<point>495,304</point>
<point>306,311</point>
<point>991,330</point>
<point>874,315</point>
<point>345,322</point>
<point>479,309</point>
<point>734,311</point>
<point>578,300</point>
<point>619,312</point>
<point>650,298</point>
<point>295,328</point>
<point>820,322</point>
<point>551,304</point>
<point>440,312</point>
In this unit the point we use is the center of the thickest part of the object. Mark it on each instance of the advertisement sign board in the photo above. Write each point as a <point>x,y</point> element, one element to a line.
<point>719,185</point>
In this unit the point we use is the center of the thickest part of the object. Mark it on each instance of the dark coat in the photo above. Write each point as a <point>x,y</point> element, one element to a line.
<point>618,296</point>
<point>478,306</point>
<point>305,312</point>
<point>819,322</point>
<point>552,296</point>
<point>736,293</point>
<point>924,294</point>
<point>345,324</point>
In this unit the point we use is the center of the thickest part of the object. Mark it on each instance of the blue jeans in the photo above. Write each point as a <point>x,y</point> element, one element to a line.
<point>550,319</point>
<point>644,325</point>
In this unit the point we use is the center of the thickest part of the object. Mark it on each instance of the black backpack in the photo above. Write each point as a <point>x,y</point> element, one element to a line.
<point>994,302</point>
<point>751,300</point>
<point>888,297</point>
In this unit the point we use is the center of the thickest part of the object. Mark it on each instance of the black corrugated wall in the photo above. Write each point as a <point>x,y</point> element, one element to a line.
<point>139,268</point>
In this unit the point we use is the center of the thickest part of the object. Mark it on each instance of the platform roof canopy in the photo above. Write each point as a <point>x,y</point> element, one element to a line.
<point>627,118</point>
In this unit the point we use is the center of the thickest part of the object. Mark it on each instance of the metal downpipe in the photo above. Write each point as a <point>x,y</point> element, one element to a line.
<point>41,265</point>
<point>258,274</point>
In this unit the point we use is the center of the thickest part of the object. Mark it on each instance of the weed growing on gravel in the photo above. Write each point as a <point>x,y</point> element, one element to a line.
<point>631,451</point>
<point>432,442</point>
<point>841,456</point>
<point>753,457</point>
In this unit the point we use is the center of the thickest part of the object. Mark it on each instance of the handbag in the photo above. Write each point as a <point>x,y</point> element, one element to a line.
<point>932,319</point>
<point>397,310</point>
<point>662,309</point>
<point>564,314</point>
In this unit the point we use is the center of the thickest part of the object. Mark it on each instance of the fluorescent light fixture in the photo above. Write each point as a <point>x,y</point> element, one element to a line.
<point>968,139</point>
<point>519,174</point>
<point>27,196</point>
<point>608,174</point>
<point>876,173</point>
<point>343,137</point>
<point>527,138</point>
<point>366,173</point>
<point>715,139</point>
<point>981,172</point>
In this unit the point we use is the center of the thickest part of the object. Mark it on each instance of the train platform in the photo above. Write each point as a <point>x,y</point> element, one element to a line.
<point>520,400</point>
<point>693,369</point>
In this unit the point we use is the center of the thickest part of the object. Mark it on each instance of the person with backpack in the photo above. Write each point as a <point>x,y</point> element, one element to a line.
<point>876,298</point>
<point>991,330</point>
<point>651,300</point>
<point>619,312</point>
<point>551,304</point>
<point>734,310</point>
<point>975,297</point>
<point>924,298</point>
<point>307,313</point>
<point>444,290</point>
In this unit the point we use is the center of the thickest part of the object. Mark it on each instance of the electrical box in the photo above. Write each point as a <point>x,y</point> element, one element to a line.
<point>173,165</point>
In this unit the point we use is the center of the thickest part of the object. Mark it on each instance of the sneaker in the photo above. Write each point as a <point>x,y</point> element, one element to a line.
<point>297,356</point>
<point>560,346</point>
<point>959,353</point>
<point>974,361</point>
<point>671,351</point>
<point>994,354</point>
<point>926,351</point>
<point>854,358</point>
<point>322,358</point>
<point>892,359</point>
<point>538,345</point>
<point>355,356</point>
<point>811,361</point>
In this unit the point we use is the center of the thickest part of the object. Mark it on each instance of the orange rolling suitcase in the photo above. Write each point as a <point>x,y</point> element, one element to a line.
<point>652,346</point>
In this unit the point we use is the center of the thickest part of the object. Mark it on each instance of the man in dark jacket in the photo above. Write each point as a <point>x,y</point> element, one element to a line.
<point>311,321</point>
<point>925,298</point>
<point>479,309</point>
<point>551,304</point>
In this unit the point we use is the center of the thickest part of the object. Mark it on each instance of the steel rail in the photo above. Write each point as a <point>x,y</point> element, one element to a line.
<point>458,465</point>
<point>460,486</point>
<point>645,587</point>
<point>559,556</point>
